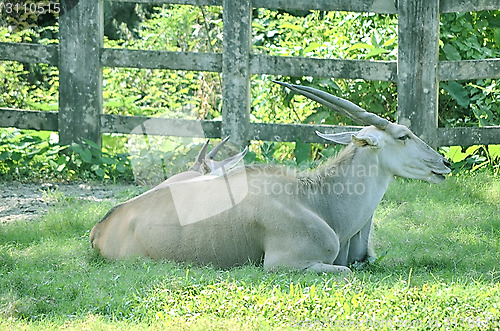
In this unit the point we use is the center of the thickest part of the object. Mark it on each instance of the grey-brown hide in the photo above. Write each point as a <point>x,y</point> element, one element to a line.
<point>318,220</point>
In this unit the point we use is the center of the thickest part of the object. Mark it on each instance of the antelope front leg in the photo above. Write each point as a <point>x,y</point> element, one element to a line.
<point>360,249</point>
<point>330,268</point>
<point>343,254</point>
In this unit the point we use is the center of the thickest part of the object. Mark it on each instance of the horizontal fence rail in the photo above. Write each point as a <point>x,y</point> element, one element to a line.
<point>48,121</point>
<point>374,6</point>
<point>259,64</point>
<point>80,56</point>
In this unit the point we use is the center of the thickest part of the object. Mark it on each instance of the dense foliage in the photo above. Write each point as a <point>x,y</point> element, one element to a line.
<point>182,94</point>
<point>38,156</point>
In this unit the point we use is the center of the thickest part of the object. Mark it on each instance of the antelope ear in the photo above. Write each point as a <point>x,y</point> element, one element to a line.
<point>342,138</point>
<point>218,168</point>
<point>364,140</point>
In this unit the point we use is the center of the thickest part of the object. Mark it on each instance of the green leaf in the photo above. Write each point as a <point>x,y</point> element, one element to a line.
<point>55,149</point>
<point>360,46</point>
<point>375,52</point>
<point>108,160</point>
<point>86,155</point>
<point>120,167</point>
<point>250,157</point>
<point>287,25</point>
<point>482,114</point>
<point>44,106</point>
<point>451,53</point>
<point>16,156</point>
<point>288,98</point>
<point>471,150</point>
<point>317,118</point>
<point>92,144</point>
<point>494,151</point>
<point>455,154</point>
<point>61,167</point>
<point>496,36</point>
<point>389,42</point>
<point>311,47</point>
<point>457,92</point>
<point>99,172</point>
<point>267,150</point>
<point>113,103</point>
<point>302,151</point>
<point>5,155</point>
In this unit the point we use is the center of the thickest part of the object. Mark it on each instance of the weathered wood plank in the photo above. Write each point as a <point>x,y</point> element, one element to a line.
<point>259,64</point>
<point>317,67</point>
<point>292,132</point>
<point>111,57</point>
<point>178,2</point>
<point>237,38</point>
<point>160,126</point>
<point>469,136</point>
<point>30,53</point>
<point>293,66</point>
<point>48,121</point>
<point>28,119</point>
<point>212,129</point>
<point>469,69</point>
<point>374,6</point>
<point>80,73</point>
<point>448,6</point>
<point>418,56</point>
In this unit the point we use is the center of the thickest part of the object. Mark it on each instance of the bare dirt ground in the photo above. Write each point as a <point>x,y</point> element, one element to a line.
<point>28,201</point>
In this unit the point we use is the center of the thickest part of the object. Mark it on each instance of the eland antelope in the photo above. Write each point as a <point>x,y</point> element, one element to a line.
<point>271,215</point>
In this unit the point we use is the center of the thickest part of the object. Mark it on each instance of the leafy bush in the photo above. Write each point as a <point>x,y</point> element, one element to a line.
<point>343,35</point>
<point>197,95</point>
<point>31,155</point>
<point>171,93</point>
<point>470,36</point>
<point>38,156</point>
<point>474,158</point>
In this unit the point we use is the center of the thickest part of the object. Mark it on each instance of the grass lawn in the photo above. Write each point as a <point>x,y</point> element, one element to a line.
<point>440,268</point>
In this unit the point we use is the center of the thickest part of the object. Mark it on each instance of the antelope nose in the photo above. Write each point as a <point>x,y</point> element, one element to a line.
<point>447,163</point>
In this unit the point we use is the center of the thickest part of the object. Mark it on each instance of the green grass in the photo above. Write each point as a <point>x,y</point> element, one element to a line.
<point>441,265</point>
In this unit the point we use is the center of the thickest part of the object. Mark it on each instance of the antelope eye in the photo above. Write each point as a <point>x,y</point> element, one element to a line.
<point>405,137</point>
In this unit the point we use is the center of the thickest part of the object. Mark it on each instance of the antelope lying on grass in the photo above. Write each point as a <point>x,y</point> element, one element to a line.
<point>317,220</point>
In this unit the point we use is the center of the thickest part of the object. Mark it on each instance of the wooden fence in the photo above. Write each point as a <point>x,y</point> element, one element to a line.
<point>80,57</point>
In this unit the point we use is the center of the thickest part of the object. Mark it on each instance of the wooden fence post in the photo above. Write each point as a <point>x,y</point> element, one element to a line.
<point>80,74</point>
<point>418,56</point>
<point>237,16</point>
